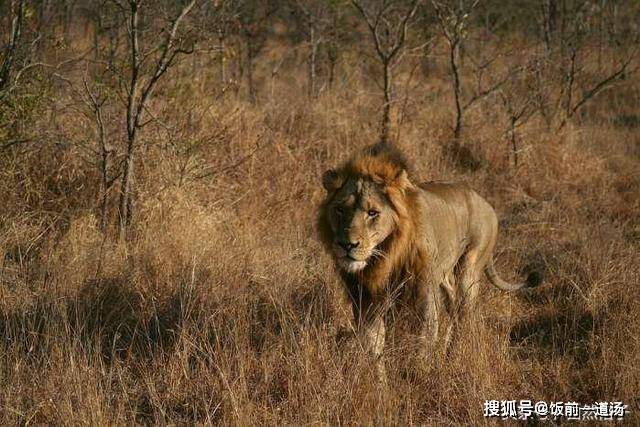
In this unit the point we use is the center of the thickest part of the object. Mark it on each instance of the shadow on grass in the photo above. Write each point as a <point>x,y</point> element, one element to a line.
<point>559,333</point>
<point>107,316</point>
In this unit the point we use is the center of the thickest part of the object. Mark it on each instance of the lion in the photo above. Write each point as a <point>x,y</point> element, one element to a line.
<point>390,236</point>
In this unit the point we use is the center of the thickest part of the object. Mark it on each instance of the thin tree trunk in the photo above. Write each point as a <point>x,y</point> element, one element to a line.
<point>425,61</point>
<point>43,29</point>
<point>513,142</point>
<point>570,83</point>
<point>222,48</point>
<point>10,51</point>
<point>250,83</point>
<point>124,206</point>
<point>67,16</point>
<point>386,107</point>
<point>456,89</point>
<point>312,61</point>
<point>124,215</point>
<point>238,71</point>
<point>105,192</point>
<point>549,10</point>
<point>252,90</point>
<point>332,67</point>
<point>96,38</point>
<point>104,165</point>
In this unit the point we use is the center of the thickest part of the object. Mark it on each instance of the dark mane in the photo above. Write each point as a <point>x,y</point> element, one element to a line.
<point>381,162</point>
<point>389,152</point>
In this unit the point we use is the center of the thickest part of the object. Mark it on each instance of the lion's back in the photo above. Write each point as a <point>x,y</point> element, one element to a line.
<point>447,194</point>
<point>455,194</point>
<point>457,209</point>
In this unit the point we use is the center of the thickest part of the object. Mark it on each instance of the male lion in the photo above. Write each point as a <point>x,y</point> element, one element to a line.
<point>389,236</point>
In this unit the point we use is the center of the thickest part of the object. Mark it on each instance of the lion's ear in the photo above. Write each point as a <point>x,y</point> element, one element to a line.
<point>331,180</point>
<point>402,180</point>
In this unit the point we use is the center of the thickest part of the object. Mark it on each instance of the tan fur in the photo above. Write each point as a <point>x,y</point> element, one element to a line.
<point>434,239</point>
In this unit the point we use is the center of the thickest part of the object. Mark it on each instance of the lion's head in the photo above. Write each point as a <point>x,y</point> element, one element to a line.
<point>365,206</point>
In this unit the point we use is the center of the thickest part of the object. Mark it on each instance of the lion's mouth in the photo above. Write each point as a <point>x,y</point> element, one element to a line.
<point>347,261</point>
<point>351,264</point>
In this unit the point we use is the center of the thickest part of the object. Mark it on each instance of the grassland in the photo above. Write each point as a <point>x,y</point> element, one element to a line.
<point>222,306</point>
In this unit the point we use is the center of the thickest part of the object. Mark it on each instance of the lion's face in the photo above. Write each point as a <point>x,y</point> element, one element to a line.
<point>361,218</point>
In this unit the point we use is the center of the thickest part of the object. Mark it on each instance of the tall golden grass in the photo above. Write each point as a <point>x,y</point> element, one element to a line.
<point>223,308</point>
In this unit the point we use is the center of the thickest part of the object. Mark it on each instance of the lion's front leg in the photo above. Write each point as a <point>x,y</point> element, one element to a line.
<point>373,335</point>
<point>428,312</point>
<point>370,325</point>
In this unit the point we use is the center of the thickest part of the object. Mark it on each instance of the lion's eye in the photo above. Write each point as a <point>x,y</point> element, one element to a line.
<point>338,210</point>
<point>373,213</point>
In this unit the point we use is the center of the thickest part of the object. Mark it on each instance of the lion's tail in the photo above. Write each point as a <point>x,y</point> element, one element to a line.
<point>533,279</point>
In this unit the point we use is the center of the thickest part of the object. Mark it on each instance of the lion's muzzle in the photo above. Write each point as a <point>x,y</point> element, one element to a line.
<point>348,256</point>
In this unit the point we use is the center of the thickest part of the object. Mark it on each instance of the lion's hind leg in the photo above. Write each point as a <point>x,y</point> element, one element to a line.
<point>469,273</point>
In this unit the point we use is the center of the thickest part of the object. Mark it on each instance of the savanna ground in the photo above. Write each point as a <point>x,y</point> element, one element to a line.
<point>221,306</point>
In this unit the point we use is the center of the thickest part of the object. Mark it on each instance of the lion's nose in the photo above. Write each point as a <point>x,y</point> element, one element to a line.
<point>348,246</point>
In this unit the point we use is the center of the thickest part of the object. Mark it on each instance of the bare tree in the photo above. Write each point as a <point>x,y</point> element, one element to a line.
<point>388,23</point>
<point>218,18</point>
<point>325,29</point>
<point>16,11</point>
<point>96,101</point>
<point>142,82</point>
<point>572,33</point>
<point>618,72</point>
<point>336,38</point>
<point>253,19</point>
<point>453,19</point>
<point>453,23</point>
<point>576,50</point>
<point>94,98</point>
<point>518,104</point>
<point>315,23</point>
<point>549,9</point>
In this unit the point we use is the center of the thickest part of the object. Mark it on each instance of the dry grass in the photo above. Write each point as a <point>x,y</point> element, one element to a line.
<point>223,308</point>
